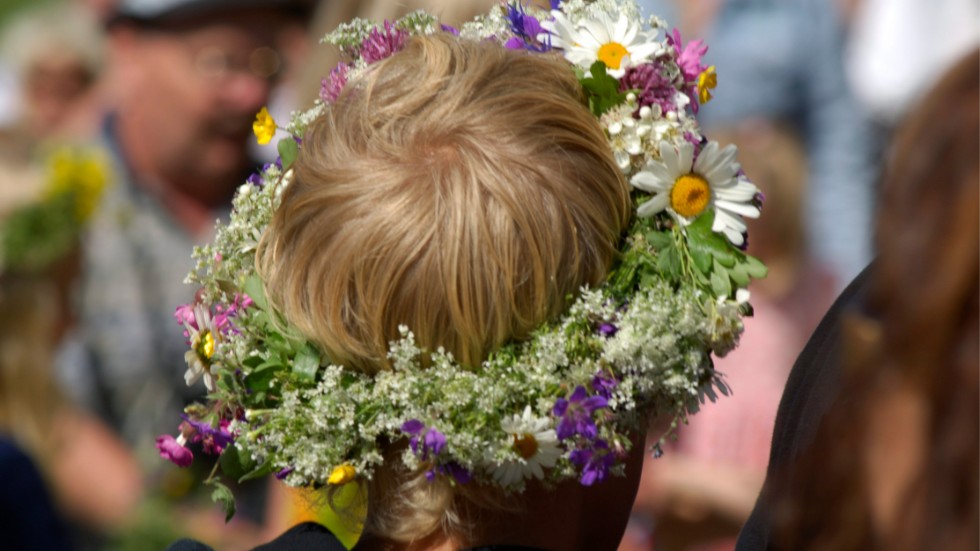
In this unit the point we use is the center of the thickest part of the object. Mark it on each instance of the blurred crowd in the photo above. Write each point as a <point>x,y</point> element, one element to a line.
<point>811,92</point>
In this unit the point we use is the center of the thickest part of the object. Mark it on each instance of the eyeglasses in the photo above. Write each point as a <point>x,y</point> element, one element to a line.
<point>216,64</point>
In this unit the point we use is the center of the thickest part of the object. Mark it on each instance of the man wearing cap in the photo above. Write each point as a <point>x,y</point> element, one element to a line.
<point>187,78</point>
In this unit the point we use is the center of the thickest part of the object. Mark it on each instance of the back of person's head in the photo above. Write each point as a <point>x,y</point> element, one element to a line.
<point>460,189</point>
<point>894,465</point>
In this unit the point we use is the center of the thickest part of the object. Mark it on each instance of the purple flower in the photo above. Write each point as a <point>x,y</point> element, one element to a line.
<point>556,4</point>
<point>255,179</point>
<point>526,29</point>
<point>607,329</point>
<point>576,414</point>
<point>431,439</point>
<point>603,384</point>
<point>172,449</point>
<point>452,469</point>
<point>277,163</point>
<point>595,462</point>
<point>450,29</point>
<point>651,86</point>
<point>214,440</point>
<point>283,473</point>
<point>381,44</point>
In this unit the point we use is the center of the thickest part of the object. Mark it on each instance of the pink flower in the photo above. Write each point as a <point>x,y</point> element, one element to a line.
<point>688,57</point>
<point>331,86</point>
<point>172,449</point>
<point>381,44</point>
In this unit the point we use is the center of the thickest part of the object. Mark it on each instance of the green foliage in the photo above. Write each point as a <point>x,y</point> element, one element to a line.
<point>288,149</point>
<point>716,261</point>
<point>223,496</point>
<point>601,89</point>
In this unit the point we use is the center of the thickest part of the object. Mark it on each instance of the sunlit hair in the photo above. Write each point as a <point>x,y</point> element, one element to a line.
<point>458,188</point>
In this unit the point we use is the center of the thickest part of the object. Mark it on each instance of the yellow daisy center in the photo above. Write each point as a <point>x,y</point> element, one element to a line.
<point>525,445</point>
<point>690,195</point>
<point>205,347</point>
<point>612,54</point>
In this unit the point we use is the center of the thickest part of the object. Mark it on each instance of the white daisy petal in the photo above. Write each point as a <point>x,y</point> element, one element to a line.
<point>739,208</point>
<point>656,204</point>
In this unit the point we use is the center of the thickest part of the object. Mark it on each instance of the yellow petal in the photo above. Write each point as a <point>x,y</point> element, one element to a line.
<point>342,475</point>
<point>264,126</point>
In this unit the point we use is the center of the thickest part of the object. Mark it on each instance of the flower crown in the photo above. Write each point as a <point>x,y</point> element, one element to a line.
<point>45,228</point>
<point>558,405</point>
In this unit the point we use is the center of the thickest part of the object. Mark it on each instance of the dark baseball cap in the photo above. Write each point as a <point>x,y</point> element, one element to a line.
<point>163,12</point>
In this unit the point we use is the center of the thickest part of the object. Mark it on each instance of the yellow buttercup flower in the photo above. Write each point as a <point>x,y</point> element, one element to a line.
<point>264,126</point>
<point>83,173</point>
<point>707,81</point>
<point>342,475</point>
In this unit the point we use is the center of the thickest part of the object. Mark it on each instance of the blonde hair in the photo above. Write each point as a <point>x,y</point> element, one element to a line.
<point>458,188</point>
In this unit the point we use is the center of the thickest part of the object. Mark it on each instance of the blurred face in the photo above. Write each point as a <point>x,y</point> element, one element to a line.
<point>188,97</point>
<point>52,87</point>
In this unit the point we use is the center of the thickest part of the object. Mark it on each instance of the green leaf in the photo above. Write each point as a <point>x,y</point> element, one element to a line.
<point>223,495</point>
<point>307,363</point>
<point>258,472</point>
<point>601,89</point>
<point>720,283</point>
<point>669,263</point>
<point>288,149</point>
<point>255,290</point>
<point>739,275</point>
<point>231,463</point>
<point>701,256</point>
<point>660,240</point>
<point>702,239</point>
<point>755,268</point>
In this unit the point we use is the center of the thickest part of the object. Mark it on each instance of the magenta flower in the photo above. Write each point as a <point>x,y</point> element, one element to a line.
<point>222,320</point>
<point>576,414</point>
<point>651,86</point>
<point>331,86</point>
<point>688,57</point>
<point>382,44</point>
<point>172,449</point>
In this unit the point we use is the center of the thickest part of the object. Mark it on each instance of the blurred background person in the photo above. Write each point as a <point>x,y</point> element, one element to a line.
<point>890,73</point>
<point>698,495</point>
<point>783,64</point>
<point>876,441</point>
<point>54,52</point>
<point>68,482</point>
<point>185,81</point>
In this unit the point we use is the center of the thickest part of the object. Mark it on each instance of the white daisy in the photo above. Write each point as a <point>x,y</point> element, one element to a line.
<point>686,187</point>
<point>536,445</point>
<point>618,45</point>
<point>203,337</point>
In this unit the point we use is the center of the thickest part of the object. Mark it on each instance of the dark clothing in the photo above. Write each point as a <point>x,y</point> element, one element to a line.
<point>28,519</point>
<point>310,536</point>
<point>812,389</point>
